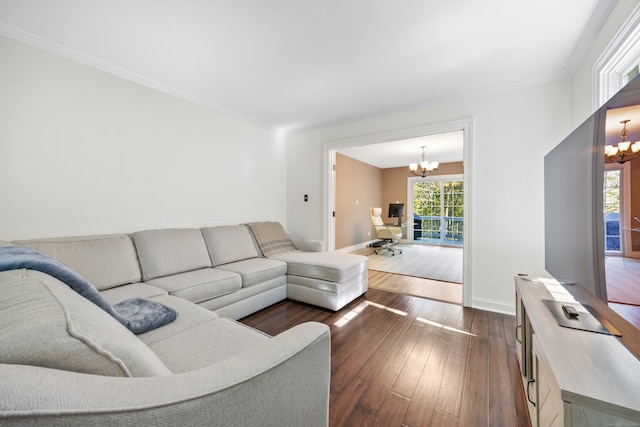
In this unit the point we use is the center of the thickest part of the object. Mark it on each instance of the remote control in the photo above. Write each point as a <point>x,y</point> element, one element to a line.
<point>569,311</point>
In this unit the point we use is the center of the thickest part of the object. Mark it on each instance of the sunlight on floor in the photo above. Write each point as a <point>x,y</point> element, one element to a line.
<point>445,327</point>
<point>352,314</point>
<point>358,309</point>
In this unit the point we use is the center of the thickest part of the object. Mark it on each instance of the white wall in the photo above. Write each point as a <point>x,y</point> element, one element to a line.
<point>85,152</point>
<point>512,131</point>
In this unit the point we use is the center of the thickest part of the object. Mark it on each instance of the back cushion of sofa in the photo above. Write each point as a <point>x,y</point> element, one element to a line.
<point>229,243</point>
<point>105,261</point>
<point>170,251</point>
<point>45,323</point>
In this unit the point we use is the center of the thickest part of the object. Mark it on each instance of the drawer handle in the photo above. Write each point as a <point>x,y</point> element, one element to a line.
<point>518,327</point>
<point>531,381</point>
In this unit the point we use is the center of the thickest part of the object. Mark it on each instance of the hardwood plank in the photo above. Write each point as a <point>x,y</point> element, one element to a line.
<point>412,372</point>
<point>344,403</point>
<point>416,286</point>
<point>453,381</point>
<point>386,351</point>
<point>629,312</point>
<point>474,410</point>
<point>422,407</point>
<point>385,374</point>
<point>444,420</point>
<point>362,416</point>
<point>501,408</point>
<point>352,356</point>
<point>393,411</point>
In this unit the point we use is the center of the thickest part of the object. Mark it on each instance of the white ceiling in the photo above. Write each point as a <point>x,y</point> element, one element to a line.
<point>613,127</point>
<point>293,64</point>
<point>442,147</point>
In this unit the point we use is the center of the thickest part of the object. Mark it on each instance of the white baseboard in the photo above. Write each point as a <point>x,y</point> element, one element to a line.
<point>356,247</point>
<point>494,305</point>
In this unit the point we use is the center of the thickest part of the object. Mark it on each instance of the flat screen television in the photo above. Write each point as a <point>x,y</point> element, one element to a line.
<point>396,210</point>
<point>573,196</point>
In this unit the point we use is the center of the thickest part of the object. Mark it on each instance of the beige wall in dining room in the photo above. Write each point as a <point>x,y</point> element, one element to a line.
<point>358,188</point>
<point>394,185</point>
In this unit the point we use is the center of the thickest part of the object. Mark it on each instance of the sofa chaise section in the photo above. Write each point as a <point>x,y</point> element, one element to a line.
<point>325,279</point>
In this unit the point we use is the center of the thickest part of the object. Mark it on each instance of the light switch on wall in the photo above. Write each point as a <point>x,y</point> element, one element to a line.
<point>357,202</point>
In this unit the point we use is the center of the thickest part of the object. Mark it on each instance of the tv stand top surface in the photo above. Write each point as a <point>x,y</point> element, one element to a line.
<point>590,368</point>
<point>629,334</point>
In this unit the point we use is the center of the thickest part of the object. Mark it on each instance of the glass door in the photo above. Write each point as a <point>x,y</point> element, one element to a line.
<point>611,208</point>
<point>437,210</point>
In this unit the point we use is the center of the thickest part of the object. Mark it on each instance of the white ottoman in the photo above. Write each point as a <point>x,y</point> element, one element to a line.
<point>326,279</point>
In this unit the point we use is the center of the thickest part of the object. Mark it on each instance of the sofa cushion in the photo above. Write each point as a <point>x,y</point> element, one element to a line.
<point>256,270</point>
<point>45,323</point>
<point>271,238</point>
<point>188,350</point>
<point>229,243</point>
<point>132,290</point>
<point>199,285</point>
<point>331,266</point>
<point>190,316</point>
<point>170,251</point>
<point>104,261</point>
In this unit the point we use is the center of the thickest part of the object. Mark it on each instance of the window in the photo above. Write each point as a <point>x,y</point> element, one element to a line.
<point>619,62</point>
<point>438,210</point>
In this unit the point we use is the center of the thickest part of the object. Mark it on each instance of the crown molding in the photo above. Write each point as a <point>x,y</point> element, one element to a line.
<point>84,59</point>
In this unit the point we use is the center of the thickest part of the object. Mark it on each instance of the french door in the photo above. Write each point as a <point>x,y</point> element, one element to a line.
<point>612,208</point>
<point>438,208</point>
<point>622,229</point>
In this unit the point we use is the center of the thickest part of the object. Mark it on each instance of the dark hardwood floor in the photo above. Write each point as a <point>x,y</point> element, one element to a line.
<point>399,360</point>
<point>630,312</point>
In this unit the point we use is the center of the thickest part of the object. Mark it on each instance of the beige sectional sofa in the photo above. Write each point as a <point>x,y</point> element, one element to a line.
<point>63,360</point>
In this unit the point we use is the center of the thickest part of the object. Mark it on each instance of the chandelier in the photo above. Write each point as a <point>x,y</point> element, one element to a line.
<point>624,150</point>
<point>425,167</point>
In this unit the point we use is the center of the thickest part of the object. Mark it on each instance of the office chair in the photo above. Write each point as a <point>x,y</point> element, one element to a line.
<point>390,235</point>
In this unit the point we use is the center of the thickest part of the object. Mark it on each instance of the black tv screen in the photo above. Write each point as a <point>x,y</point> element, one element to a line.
<point>573,198</point>
<point>572,174</point>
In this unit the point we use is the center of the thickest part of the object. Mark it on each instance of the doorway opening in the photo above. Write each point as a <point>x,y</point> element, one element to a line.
<point>331,148</point>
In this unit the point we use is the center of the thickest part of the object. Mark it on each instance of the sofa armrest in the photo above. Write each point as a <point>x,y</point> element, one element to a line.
<point>282,382</point>
<point>306,245</point>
